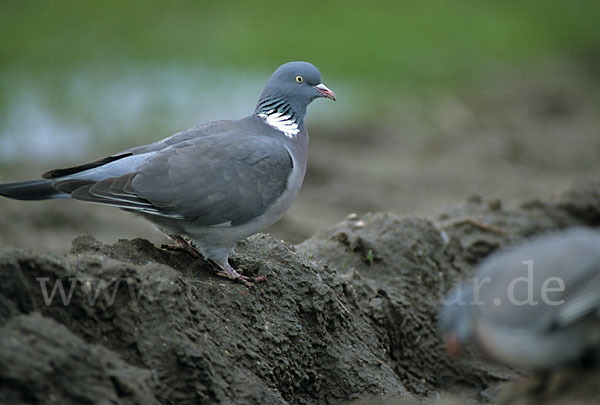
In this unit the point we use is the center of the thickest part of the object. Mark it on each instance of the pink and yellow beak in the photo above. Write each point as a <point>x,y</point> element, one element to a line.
<point>321,88</point>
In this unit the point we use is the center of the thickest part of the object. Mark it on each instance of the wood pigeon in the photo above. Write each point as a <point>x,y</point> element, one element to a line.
<point>210,186</point>
<point>536,305</point>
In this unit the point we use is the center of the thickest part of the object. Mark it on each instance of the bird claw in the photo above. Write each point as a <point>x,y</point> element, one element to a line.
<point>227,271</point>
<point>182,246</point>
<point>177,248</point>
<point>230,273</point>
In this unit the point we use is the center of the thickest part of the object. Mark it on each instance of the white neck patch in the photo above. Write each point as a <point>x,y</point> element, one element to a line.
<point>280,122</point>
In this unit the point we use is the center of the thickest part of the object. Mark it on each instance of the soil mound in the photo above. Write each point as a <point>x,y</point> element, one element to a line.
<point>349,313</point>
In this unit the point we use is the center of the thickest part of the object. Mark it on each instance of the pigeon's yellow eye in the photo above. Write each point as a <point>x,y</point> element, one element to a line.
<point>299,79</point>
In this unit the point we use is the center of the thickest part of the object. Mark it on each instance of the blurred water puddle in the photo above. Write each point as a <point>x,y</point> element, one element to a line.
<point>71,116</point>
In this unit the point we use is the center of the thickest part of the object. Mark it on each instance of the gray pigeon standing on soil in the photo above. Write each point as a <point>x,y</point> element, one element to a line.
<point>210,186</point>
<point>535,306</point>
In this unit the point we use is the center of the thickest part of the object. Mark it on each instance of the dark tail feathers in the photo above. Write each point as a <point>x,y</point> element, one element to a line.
<point>31,190</point>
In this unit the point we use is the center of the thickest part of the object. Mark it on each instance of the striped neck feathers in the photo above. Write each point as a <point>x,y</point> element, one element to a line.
<point>279,114</point>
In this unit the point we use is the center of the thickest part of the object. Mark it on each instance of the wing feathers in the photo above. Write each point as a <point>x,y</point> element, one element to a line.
<point>583,299</point>
<point>116,192</point>
<point>209,175</point>
<point>68,186</point>
<point>53,174</point>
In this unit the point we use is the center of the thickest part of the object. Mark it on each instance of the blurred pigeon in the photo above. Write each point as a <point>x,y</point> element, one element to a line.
<point>534,306</point>
<point>210,186</point>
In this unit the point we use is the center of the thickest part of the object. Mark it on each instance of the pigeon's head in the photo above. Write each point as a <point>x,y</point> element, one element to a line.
<point>298,84</point>
<point>455,320</point>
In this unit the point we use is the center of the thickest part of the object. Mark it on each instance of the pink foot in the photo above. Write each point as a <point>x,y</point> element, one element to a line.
<point>229,272</point>
<point>182,246</point>
<point>226,271</point>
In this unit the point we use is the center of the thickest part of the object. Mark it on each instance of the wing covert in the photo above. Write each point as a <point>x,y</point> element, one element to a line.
<point>216,179</point>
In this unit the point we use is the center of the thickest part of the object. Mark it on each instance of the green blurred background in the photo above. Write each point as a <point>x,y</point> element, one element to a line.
<point>436,99</point>
<point>382,43</point>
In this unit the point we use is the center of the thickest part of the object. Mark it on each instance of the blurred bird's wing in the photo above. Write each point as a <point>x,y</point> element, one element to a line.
<point>581,298</point>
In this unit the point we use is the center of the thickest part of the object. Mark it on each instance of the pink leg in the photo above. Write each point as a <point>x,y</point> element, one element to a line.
<point>226,270</point>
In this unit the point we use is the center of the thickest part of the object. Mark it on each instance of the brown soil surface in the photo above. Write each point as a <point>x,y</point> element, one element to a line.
<point>348,315</point>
